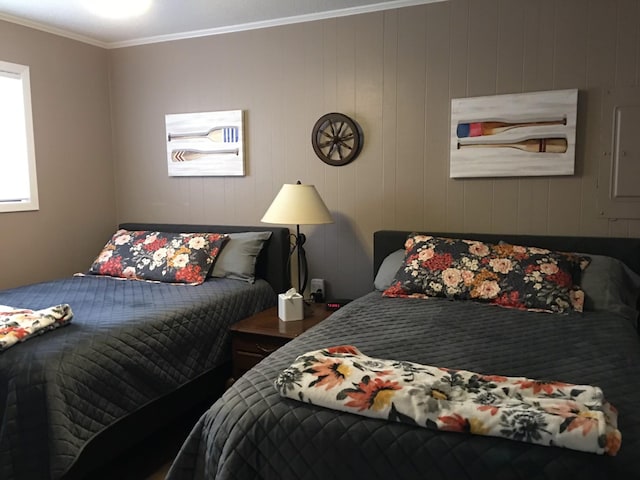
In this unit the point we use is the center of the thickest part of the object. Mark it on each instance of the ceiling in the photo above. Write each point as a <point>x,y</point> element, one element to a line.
<point>176,19</point>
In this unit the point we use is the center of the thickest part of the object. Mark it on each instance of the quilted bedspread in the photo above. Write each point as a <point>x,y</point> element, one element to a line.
<point>129,343</point>
<point>253,432</point>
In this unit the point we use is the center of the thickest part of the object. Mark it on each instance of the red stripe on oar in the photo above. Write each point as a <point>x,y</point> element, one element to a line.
<point>475,129</point>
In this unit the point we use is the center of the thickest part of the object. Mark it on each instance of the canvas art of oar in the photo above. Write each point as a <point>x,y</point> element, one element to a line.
<point>533,145</point>
<point>480,129</point>
<point>216,134</point>
<point>190,155</point>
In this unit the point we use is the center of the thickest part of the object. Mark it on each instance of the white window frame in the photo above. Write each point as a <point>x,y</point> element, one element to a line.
<point>14,70</point>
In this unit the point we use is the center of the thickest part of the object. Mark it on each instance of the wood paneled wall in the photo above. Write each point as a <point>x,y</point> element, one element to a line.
<point>395,72</point>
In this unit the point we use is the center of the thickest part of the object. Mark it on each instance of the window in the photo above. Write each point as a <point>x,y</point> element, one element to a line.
<point>18,183</point>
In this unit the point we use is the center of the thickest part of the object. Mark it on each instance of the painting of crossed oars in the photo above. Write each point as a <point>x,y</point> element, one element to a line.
<point>205,144</point>
<point>514,135</point>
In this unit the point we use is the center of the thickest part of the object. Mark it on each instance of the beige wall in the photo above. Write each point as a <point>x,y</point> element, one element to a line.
<point>70,101</point>
<point>395,73</point>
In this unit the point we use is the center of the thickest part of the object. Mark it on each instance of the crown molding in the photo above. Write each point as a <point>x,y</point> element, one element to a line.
<point>54,30</point>
<point>376,7</point>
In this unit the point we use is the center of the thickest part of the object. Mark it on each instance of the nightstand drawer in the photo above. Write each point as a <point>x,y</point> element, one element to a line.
<point>243,361</point>
<point>257,344</point>
<point>259,335</point>
<point>248,350</point>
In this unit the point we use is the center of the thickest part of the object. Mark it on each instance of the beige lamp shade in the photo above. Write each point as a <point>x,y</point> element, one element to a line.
<point>297,204</point>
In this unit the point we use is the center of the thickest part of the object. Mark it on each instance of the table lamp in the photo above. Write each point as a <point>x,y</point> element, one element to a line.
<point>300,205</point>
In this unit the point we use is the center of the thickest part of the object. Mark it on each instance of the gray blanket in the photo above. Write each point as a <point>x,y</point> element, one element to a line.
<point>252,432</point>
<point>129,343</point>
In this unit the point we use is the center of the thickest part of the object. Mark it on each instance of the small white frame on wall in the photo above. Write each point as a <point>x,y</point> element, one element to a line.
<point>205,144</point>
<point>514,135</point>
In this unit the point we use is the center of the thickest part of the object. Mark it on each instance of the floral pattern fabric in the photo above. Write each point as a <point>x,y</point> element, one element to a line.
<point>514,276</point>
<point>541,412</point>
<point>159,256</point>
<point>20,324</point>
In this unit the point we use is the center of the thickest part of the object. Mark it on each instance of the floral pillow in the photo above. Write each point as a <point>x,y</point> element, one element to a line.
<point>514,276</point>
<point>159,256</point>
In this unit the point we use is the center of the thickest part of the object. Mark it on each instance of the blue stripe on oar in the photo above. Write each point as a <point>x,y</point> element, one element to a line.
<point>463,130</point>
<point>230,134</point>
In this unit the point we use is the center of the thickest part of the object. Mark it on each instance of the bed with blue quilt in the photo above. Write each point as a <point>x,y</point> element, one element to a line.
<point>91,363</point>
<point>518,357</point>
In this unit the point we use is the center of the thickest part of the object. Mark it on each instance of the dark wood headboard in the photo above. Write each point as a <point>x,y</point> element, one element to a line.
<point>625,249</point>
<point>272,261</point>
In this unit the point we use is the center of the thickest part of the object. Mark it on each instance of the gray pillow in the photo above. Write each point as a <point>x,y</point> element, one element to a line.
<point>238,258</point>
<point>609,285</point>
<point>388,269</point>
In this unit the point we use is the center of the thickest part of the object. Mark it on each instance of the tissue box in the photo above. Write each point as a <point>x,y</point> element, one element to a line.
<point>290,307</point>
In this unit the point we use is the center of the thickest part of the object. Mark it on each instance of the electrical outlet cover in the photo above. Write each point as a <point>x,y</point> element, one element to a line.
<point>317,284</point>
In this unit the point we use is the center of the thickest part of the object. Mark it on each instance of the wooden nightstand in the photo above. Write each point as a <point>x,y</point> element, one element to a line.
<point>255,337</point>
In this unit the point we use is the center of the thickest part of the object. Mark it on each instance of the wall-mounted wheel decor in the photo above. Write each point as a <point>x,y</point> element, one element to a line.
<point>336,139</point>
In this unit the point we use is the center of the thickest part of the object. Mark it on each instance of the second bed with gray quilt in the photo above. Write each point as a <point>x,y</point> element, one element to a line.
<point>254,432</point>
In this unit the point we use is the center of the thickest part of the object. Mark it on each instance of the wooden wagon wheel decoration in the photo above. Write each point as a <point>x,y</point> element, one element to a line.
<point>336,139</point>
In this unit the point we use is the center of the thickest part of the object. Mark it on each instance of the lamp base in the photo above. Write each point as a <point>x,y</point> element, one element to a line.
<point>302,260</point>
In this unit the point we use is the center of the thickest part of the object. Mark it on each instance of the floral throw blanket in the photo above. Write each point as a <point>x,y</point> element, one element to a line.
<point>517,408</point>
<point>19,324</point>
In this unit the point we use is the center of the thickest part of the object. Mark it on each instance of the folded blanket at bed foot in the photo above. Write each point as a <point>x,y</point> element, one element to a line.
<point>541,412</point>
<point>20,324</point>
